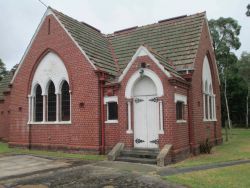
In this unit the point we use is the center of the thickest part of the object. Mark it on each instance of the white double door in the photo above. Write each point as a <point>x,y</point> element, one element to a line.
<point>146,122</point>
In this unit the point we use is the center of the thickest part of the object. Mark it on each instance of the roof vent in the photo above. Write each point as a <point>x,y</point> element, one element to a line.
<point>125,30</point>
<point>174,18</point>
<point>91,27</point>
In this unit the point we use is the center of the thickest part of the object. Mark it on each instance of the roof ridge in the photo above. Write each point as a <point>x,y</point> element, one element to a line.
<point>114,56</point>
<point>80,22</point>
<point>160,22</point>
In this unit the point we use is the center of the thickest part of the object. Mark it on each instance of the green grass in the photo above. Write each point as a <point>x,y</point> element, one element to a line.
<point>4,149</point>
<point>238,147</point>
<point>234,176</point>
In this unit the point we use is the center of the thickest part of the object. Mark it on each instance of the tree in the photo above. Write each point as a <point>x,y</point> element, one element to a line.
<point>248,10</point>
<point>3,70</point>
<point>244,68</point>
<point>225,33</point>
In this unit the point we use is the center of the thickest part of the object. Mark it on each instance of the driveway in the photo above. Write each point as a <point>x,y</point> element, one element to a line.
<point>24,171</point>
<point>17,165</point>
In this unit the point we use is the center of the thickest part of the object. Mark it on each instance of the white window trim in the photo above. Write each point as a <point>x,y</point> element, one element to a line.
<point>181,121</point>
<point>180,98</point>
<point>206,94</point>
<point>46,122</point>
<point>108,99</point>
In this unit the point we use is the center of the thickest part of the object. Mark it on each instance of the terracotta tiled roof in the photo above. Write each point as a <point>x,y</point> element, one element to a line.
<point>173,40</point>
<point>92,42</point>
<point>4,84</point>
<point>176,39</point>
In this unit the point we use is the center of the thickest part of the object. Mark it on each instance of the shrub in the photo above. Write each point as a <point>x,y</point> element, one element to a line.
<point>206,147</point>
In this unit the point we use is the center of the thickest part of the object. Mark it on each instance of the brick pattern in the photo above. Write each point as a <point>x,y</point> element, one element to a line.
<point>4,118</point>
<point>85,131</point>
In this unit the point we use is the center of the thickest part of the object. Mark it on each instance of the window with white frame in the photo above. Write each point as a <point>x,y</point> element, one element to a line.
<point>38,104</point>
<point>112,109</point>
<point>50,98</point>
<point>180,102</point>
<point>180,110</point>
<point>209,109</point>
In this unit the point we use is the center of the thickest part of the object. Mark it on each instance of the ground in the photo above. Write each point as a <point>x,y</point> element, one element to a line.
<point>227,166</point>
<point>236,149</point>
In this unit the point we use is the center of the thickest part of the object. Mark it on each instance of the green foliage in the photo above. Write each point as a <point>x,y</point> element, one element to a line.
<point>225,33</point>
<point>237,92</point>
<point>248,10</point>
<point>3,70</point>
<point>244,67</point>
<point>206,147</point>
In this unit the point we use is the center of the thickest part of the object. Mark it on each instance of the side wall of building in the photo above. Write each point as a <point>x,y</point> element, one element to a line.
<point>204,129</point>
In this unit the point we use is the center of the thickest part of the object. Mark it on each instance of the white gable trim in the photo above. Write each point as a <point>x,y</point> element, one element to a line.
<point>211,43</point>
<point>48,12</point>
<point>142,51</point>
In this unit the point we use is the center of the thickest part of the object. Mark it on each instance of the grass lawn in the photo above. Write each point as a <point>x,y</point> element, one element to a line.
<point>234,176</point>
<point>4,149</point>
<point>238,147</point>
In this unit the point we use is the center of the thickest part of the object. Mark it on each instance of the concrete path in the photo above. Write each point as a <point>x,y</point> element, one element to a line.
<point>167,171</point>
<point>23,171</point>
<point>25,164</point>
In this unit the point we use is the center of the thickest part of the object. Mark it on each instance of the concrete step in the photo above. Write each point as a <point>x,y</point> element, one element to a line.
<point>150,154</point>
<point>137,160</point>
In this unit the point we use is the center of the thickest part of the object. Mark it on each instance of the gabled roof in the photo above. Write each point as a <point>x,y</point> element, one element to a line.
<point>92,42</point>
<point>175,40</point>
<point>4,84</point>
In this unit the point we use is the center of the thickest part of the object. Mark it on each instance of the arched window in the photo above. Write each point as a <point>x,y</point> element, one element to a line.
<point>208,95</point>
<point>65,102</point>
<point>38,104</point>
<point>51,102</point>
<point>206,99</point>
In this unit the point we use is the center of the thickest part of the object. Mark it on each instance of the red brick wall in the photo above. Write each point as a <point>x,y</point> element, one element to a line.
<point>203,129</point>
<point>4,118</point>
<point>84,130</point>
<point>173,132</point>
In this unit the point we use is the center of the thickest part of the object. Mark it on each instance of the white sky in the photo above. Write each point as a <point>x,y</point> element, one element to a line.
<point>20,18</point>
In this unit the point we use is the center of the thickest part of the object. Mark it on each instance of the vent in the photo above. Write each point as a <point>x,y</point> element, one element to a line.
<point>174,18</point>
<point>90,26</point>
<point>126,30</point>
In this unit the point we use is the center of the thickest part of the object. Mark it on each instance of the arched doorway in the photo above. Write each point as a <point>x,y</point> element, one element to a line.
<point>146,113</point>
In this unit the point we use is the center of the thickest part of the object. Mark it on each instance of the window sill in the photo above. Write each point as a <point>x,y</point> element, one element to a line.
<point>50,123</point>
<point>111,121</point>
<point>209,120</point>
<point>161,132</point>
<point>181,121</point>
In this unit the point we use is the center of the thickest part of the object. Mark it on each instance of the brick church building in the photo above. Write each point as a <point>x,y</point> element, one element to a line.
<point>146,87</point>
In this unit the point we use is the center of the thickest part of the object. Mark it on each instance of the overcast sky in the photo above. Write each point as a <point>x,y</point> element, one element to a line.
<point>20,18</point>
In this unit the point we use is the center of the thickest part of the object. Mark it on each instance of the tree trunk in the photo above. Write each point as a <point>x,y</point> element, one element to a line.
<point>228,113</point>
<point>226,130</point>
<point>247,111</point>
